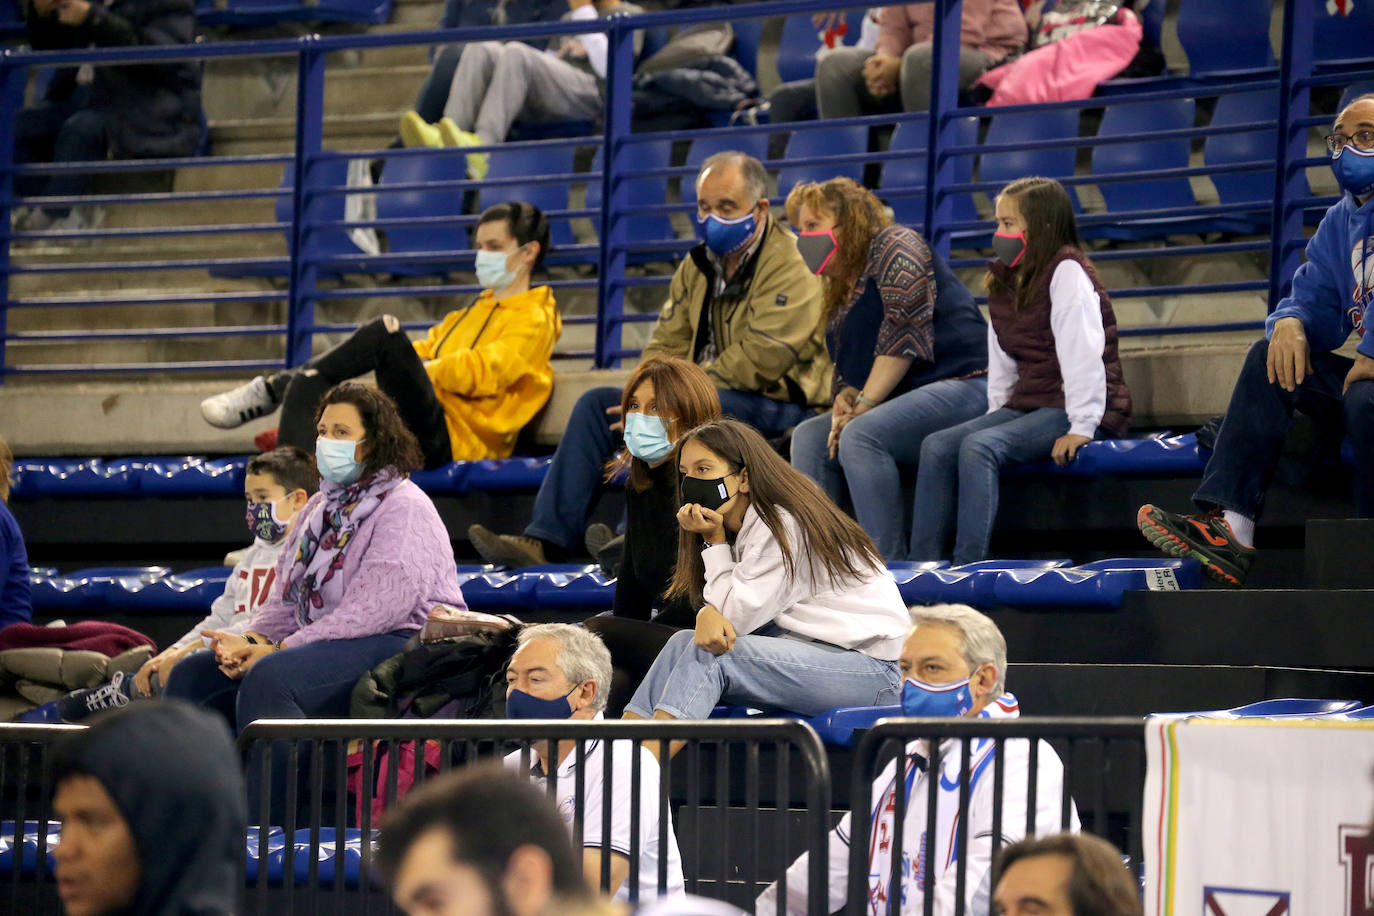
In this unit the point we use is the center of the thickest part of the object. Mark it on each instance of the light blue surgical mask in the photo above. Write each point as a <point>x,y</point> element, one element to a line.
<point>727,236</point>
<point>491,269</point>
<point>336,461</point>
<point>647,437</point>
<point>945,700</point>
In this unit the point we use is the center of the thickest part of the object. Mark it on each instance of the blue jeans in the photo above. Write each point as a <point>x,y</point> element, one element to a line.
<point>767,669</point>
<point>57,131</point>
<point>874,446</point>
<point>566,496</point>
<point>962,464</point>
<point>1250,442</point>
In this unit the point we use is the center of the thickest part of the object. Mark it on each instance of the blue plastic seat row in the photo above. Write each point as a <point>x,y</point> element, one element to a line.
<point>274,856</point>
<point>1039,583</point>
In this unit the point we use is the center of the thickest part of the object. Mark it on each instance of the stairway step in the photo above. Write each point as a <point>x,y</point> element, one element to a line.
<point>1338,551</point>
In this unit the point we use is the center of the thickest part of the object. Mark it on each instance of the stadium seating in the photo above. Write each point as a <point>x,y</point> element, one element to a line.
<point>1011,127</point>
<point>823,141</point>
<point>640,192</point>
<point>1225,149</point>
<point>904,178</point>
<point>522,162</point>
<point>437,204</point>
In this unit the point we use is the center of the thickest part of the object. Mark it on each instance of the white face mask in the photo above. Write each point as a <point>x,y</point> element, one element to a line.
<point>491,269</point>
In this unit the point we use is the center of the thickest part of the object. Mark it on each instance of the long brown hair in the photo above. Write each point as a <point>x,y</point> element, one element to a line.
<point>389,443</point>
<point>684,395</point>
<point>859,216</point>
<point>1046,210</point>
<point>831,540</point>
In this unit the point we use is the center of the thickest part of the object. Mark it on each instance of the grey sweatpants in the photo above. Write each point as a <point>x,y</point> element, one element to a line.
<point>841,92</point>
<point>496,83</point>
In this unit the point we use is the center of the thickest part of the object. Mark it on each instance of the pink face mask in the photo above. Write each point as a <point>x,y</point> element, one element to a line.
<point>817,249</point>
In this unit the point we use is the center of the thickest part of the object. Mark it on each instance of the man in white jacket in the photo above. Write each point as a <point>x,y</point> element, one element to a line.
<point>953,663</point>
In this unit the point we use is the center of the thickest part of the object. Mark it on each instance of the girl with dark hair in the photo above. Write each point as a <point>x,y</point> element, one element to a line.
<point>465,390</point>
<point>908,344</point>
<point>363,565</point>
<point>795,609</point>
<point>1054,376</point>
<point>664,398</point>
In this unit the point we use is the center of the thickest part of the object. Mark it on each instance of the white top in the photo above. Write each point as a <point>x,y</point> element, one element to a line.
<point>621,766</point>
<point>1079,339</point>
<point>248,585</point>
<point>749,584</point>
<point>978,867</point>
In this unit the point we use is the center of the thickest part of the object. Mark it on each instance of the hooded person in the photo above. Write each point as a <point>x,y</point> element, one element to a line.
<point>153,812</point>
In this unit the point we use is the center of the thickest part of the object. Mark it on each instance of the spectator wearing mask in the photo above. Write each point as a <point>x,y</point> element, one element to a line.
<point>15,603</point>
<point>1069,874</point>
<point>795,610</point>
<point>895,76</point>
<point>953,664</point>
<point>908,344</point>
<point>87,114</point>
<point>742,306</point>
<point>277,485</point>
<point>151,801</point>
<point>496,83</point>
<point>1294,368</point>
<point>560,671</point>
<point>467,389</point>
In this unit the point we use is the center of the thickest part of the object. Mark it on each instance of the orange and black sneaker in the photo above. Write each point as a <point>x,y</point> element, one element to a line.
<point>1205,538</point>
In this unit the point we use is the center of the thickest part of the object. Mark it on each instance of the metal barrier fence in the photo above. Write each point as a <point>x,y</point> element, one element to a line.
<point>26,804</point>
<point>942,152</point>
<point>1101,784</point>
<point>719,788</point>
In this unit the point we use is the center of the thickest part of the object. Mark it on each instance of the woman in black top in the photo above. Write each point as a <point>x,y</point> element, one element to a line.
<point>664,398</point>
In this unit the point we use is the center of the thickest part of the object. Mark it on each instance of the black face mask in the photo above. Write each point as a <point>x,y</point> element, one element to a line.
<point>709,494</point>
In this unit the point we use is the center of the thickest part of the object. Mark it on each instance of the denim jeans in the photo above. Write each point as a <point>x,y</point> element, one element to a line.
<point>767,668</point>
<point>1250,441</point>
<point>566,496</point>
<point>874,446</point>
<point>57,131</point>
<point>960,466</point>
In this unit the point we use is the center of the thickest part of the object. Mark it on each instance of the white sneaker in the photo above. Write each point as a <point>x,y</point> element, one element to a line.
<point>237,406</point>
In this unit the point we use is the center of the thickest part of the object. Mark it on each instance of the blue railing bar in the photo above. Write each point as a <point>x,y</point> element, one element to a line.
<point>421,221</point>
<point>447,152</point>
<point>258,330</point>
<point>448,184</point>
<point>1333,78</point>
<point>1159,95</point>
<point>633,318</point>
<point>1185,289</point>
<point>647,280</point>
<point>447,289</point>
<point>1134,254</point>
<point>76,200</point>
<point>1115,217</point>
<point>426,325</point>
<point>148,165</point>
<point>1160,330</point>
<point>135,232</point>
<point>969,187</point>
<point>785,127</point>
<point>227,365</point>
<point>1101,140</point>
<point>167,299</point>
<point>124,266</point>
<point>424,257</point>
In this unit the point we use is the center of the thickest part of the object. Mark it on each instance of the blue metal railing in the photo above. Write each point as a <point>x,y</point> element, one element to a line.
<point>950,163</point>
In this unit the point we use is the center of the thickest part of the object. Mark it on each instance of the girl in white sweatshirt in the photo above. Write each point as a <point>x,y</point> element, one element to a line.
<point>796,611</point>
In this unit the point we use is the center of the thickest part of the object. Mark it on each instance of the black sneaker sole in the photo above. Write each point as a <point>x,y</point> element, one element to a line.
<point>1170,543</point>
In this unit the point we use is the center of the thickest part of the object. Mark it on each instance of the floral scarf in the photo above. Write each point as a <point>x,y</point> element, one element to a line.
<point>313,581</point>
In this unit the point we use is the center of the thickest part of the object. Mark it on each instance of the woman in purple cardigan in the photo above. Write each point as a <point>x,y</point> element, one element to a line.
<point>364,562</point>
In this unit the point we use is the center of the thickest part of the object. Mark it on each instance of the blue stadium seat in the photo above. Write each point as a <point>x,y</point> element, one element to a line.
<point>823,141</point>
<point>1365,712</point>
<point>1342,39</point>
<point>88,591</point>
<point>1292,707</point>
<point>801,40</point>
<point>441,204</point>
<point>506,475</point>
<point>449,479</point>
<point>748,37</point>
<point>192,477</point>
<point>1019,127</point>
<point>581,587</point>
<point>639,192</point>
<point>704,146</point>
<point>1251,146</point>
<point>71,478</point>
<point>515,161</point>
<point>187,593</point>
<point>1098,584</point>
<point>321,244</point>
<point>835,727</point>
<point>265,12</point>
<point>1162,456</point>
<point>498,591</point>
<point>1226,40</point>
<point>972,583</point>
<point>907,175</point>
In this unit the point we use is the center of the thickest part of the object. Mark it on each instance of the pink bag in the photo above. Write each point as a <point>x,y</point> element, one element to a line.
<point>405,776</point>
<point>1067,69</point>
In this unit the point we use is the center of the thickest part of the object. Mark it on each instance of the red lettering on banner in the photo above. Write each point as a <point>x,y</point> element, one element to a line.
<point>1357,859</point>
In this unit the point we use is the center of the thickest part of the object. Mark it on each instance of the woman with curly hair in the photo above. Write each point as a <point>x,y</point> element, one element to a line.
<point>366,560</point>
<point>908,344</point>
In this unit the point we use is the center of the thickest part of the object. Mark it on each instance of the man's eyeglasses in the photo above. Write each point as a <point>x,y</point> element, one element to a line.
<point>1363,140</point>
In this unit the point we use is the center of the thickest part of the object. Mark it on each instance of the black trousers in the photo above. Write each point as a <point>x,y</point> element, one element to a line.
<point>634,645</point>
<point>400,373</point>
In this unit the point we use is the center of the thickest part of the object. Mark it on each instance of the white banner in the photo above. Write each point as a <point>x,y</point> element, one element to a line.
<point>1256,817</point>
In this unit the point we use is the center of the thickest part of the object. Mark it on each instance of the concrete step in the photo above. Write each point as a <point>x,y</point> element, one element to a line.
<point>267,88</point>
<point>248,136</point>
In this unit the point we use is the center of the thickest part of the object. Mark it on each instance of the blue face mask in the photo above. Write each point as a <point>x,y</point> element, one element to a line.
<point>647,437</point>
<point>334,457</point>
<point>522,705</point>
<point>943,700</point>
<point>726,236</point>
<point>491,269</point>
<point>1354,170</point>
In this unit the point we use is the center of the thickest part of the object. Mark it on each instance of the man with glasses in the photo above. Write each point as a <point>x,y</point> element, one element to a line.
<point>1294,368</point>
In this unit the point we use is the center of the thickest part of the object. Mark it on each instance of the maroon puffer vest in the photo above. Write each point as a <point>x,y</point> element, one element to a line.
<point>1026,336</point>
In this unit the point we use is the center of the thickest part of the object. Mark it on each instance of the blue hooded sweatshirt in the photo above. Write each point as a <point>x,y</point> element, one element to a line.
<point>1334,287</point>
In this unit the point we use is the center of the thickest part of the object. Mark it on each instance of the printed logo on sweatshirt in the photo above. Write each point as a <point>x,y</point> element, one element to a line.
<point>1362,266</point>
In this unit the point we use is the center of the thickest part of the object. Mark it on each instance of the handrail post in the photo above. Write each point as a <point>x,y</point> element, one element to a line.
<point>309,141</point>
<point>610,286</point>
<point>13,77</point>
<point>1289,179</point>
<point>944,96</point>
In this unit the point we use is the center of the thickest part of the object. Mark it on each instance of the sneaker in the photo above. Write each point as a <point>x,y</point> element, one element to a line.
<point>80,219</point>
<point>1206,538</point>
<point>79,704</point>
<point>509,550</point>
<point>237,406</point>
<point>416,131</point>
<point>606,548</point>
<point>478,163</point>
<point>598,536</point>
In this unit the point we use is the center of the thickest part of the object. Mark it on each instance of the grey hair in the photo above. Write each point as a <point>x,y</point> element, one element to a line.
<point>581,655</point>
<point>980,642</point>
<point>755,178</point>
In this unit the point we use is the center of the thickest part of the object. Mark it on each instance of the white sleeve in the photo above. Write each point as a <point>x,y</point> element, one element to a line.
<point>837,887</point>
<point>222,609</point>
<point>754,590</point>
<point>595,43</point>
<point>1002,372</point>
<point>1079,339</point>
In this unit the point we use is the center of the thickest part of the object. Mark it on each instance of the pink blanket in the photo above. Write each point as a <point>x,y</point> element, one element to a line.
<point>1067,69</point>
